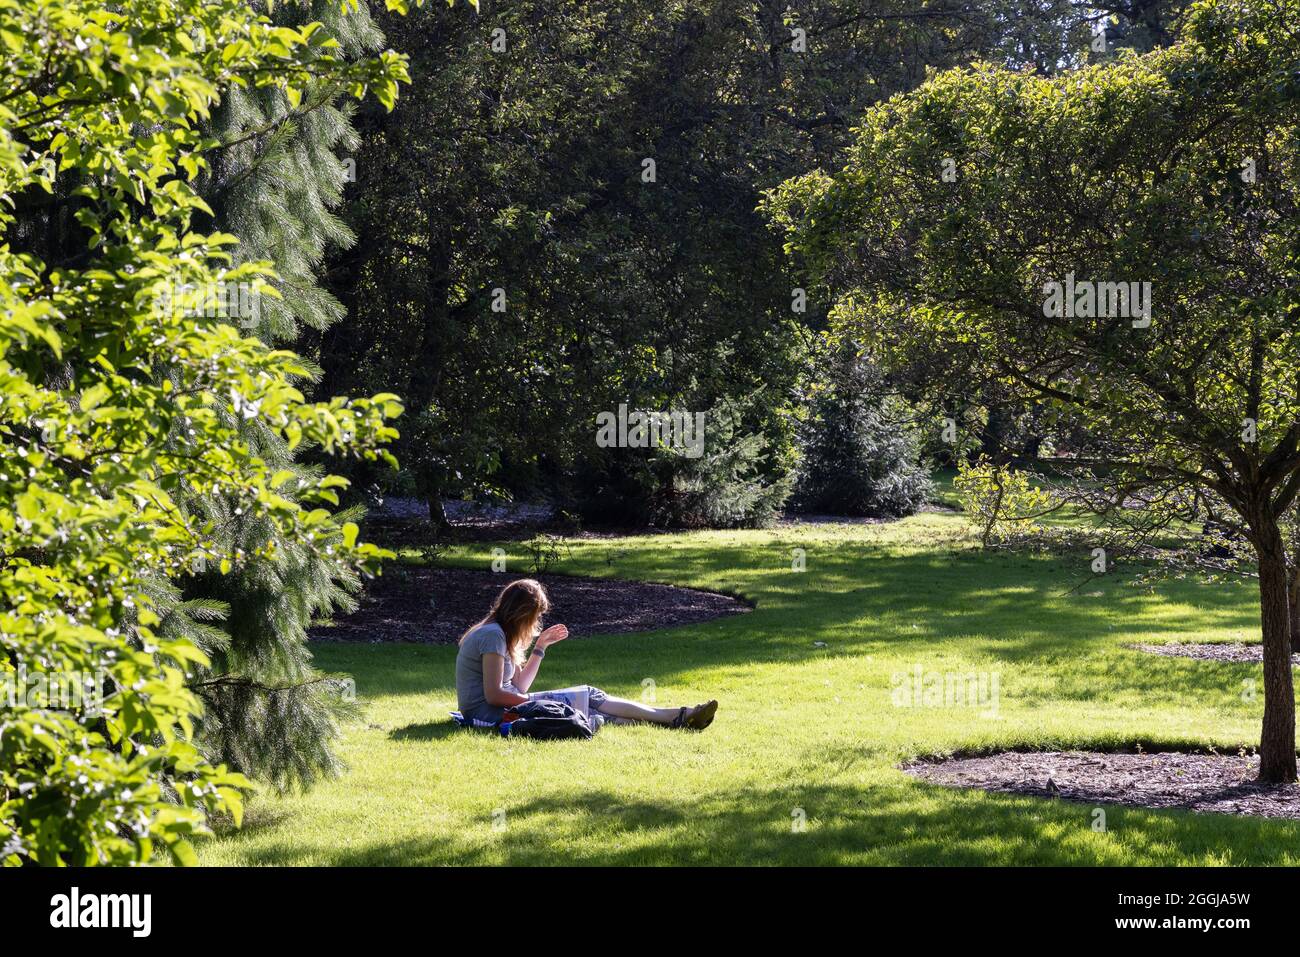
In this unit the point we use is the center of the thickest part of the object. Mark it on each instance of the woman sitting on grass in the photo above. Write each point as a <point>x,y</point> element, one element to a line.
<point>493,673</point>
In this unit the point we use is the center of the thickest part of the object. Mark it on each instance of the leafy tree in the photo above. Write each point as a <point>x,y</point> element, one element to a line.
<point>1176,168</point>
<point>116,392</point>
<point>1137,24</point>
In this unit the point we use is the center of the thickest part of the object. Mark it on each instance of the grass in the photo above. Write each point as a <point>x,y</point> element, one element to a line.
<point>808,729</point>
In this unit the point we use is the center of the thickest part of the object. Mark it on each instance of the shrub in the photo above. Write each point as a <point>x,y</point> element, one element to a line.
<point>1000,501</point>
<point>859,455</point>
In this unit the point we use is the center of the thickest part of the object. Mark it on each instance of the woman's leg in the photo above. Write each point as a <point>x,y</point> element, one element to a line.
<point>632,711</point>
<point>622,711</point>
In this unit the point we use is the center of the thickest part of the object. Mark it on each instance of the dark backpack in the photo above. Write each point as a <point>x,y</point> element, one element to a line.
<point>547,720</point>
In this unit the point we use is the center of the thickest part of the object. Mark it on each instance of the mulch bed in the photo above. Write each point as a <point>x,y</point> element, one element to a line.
<point>1215,783</point>
<point>436,605</point>
<point>1206,652</point>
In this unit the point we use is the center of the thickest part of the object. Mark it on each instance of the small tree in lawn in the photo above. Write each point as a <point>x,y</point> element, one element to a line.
<point>1177,168</point>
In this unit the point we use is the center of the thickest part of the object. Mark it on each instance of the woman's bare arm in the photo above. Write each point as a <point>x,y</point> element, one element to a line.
<point>523,678</point>
<point>494,667</point>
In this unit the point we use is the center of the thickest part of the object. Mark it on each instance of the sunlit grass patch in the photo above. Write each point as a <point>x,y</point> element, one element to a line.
<point>800,767</point>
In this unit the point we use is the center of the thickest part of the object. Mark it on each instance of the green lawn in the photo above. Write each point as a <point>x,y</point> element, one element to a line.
<point>803,730</point>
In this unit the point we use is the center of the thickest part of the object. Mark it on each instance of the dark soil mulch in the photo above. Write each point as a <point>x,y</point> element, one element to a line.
<point>436,605</point>
<point>1211,652</point>
<point>1216,783</point>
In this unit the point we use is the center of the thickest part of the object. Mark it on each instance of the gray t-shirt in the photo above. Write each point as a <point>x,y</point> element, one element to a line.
<point>485,639</point>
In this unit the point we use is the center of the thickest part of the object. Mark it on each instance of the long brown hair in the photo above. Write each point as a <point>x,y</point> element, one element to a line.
<point>518,610</point>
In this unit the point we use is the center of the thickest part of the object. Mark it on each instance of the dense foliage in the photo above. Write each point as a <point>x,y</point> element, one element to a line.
<point>119,388</point>
<point>521,270</point>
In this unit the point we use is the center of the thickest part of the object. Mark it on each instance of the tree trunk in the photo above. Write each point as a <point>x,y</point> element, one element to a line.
<point>437,514</point>
<point>993,436</point>
<point>1293,602</point>
<point>1277,738</point>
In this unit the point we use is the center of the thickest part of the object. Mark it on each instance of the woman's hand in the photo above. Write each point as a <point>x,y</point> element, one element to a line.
<point>551,635</point>
<point>523,678</point>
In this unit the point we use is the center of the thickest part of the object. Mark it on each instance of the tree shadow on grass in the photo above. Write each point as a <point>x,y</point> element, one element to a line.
<point>428,731</point>
<point>875,600</point>
<point>258,818</point>
<point>807,824</point>
<point>1011,605</point>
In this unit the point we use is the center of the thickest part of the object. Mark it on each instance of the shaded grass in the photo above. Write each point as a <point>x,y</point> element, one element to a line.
<point>808,729</point>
